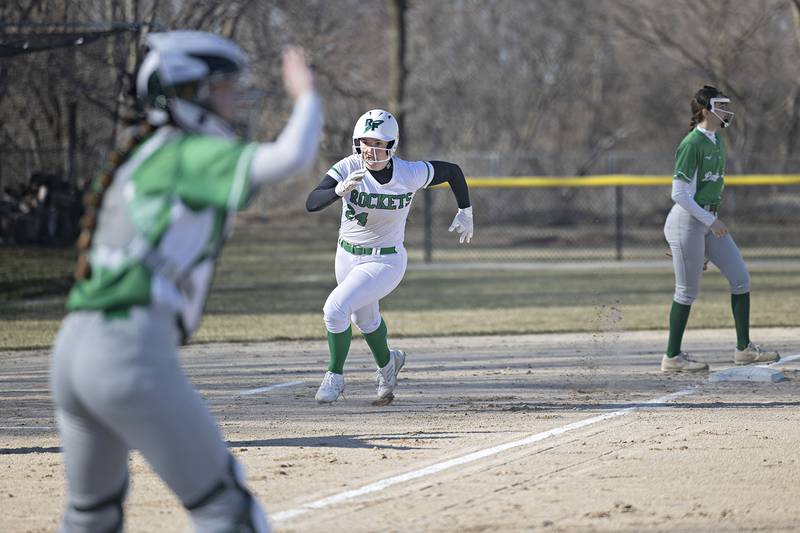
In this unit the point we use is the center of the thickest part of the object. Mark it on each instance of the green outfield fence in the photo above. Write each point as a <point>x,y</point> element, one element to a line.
<point>602,217</point>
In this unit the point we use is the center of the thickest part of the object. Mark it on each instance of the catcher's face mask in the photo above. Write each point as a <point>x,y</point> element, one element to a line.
<point>719,108</point>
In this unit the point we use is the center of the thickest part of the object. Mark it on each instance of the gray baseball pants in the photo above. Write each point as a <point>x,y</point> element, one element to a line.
<point>117,385</point>
<point>691,242</point>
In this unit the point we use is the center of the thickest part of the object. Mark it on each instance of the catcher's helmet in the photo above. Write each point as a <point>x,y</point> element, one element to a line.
<point>187,59</point>
<point>377,124</point>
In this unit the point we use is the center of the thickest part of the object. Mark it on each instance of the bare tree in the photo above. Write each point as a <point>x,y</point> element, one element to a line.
<point>728,50</point>
<point>502,86</point>
<point>397,58</point>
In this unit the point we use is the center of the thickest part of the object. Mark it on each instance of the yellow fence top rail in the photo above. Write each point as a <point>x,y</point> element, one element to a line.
<point>619,179</point>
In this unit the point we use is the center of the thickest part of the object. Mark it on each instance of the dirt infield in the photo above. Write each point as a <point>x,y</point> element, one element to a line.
<point>559,430</point>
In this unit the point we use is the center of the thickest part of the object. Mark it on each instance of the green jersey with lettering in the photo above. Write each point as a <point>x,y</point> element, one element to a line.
<point>700,162</point>
<point>162,223</point>
<point>375,214</point>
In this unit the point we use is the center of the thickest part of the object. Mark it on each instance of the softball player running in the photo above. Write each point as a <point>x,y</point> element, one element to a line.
<point>376,189</point>
<point>158,215</point>
<point>694,231</point>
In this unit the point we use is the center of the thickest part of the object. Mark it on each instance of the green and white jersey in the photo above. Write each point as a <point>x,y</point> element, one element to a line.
<point>700,162</point>
<point>162,223</point>
<point>375,215</point>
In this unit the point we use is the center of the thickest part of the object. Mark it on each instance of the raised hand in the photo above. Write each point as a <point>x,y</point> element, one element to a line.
<point>351,181</point>
<point>297,76</point>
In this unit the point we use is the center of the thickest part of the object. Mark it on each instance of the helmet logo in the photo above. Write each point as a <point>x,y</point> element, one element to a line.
<point>371,125</point>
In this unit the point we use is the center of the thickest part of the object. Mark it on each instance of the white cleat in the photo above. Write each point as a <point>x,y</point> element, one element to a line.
<point>755,354</point>
<point>682,363</point>
<point>386,377</point>
<point>331,388</point>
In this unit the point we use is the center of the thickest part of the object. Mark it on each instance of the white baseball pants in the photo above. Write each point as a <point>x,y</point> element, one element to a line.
<point>363,280</point>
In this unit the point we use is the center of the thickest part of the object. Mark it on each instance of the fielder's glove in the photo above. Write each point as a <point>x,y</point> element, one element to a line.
<point>463,224</point>
<point>350,182</point>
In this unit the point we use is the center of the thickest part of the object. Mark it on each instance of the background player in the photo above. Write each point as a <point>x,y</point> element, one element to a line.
<point>167,200</point>
<point>694,231</point>
<point>377,190</point>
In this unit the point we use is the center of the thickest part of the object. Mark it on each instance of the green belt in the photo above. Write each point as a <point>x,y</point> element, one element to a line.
<point>363,250</point>
<point>122,313</point>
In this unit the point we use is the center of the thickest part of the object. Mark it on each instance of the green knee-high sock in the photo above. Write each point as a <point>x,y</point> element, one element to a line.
<point>378,344</point>
<point>740,303</point>
<point>339,345</point>
<point>678,317</point>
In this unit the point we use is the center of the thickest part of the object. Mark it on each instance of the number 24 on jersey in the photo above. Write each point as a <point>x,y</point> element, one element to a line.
<point>360,218</point>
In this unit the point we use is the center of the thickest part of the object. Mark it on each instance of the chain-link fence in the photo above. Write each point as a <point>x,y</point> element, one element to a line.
<point>64,93</point>
<point>614,222</point>
<point>590,223</point>
<point>78,84</point>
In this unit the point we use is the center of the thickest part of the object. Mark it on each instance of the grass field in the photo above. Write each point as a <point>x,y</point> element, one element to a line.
<point>574,431</point>
<point>273,280</point>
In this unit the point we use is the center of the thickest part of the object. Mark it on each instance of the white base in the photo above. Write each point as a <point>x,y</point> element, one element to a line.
<point>748,373</point>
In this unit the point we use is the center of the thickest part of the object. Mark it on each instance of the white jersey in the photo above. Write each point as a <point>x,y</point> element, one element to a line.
<point>373,214</point>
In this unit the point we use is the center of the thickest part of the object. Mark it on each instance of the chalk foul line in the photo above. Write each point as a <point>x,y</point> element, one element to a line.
<point>469,458</point>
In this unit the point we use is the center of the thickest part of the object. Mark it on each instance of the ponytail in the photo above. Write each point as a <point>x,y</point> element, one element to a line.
<point>697,114</point>
<point>93,198</point>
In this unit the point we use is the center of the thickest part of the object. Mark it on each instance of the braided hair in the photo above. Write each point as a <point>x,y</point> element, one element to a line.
<point>93,198</point>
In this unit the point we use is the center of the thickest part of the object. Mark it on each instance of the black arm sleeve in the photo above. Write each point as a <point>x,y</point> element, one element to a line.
<point>452,174</point>
<point>323,196</point>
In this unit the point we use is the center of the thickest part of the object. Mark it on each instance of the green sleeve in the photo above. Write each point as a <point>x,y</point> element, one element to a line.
<point>686,163</point>
<point>215,172</point>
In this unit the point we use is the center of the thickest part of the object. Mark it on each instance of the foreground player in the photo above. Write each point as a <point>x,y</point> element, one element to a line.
<point>376,190</point>
<point>167,196</point>
<point>694,231</point>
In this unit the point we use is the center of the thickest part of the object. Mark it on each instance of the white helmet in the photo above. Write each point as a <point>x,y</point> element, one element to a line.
<point>377,124</point>
<point>181,58</point>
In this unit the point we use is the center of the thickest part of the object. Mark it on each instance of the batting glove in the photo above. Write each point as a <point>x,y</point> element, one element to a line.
<point>350,182</point>
<point>463,224</point>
